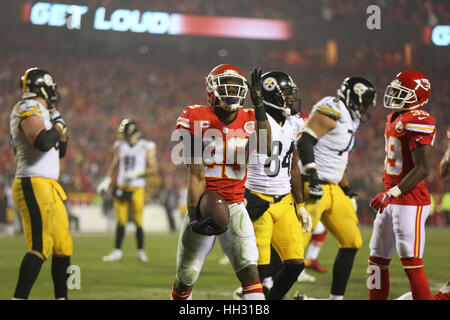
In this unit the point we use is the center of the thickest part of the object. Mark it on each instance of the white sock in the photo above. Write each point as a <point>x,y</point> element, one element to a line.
<point>336,297</point>
<point>253,296</point>
<point>268,283</point>
<point>313,252</point>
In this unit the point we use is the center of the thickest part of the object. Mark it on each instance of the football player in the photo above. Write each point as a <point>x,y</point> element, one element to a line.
<point>220,168</point>
<point>135,159</point>
<point>404,206</point>
<point>324,148</point>
<point>39,138</point>
<point>274,190</point>
<point>445,161</point>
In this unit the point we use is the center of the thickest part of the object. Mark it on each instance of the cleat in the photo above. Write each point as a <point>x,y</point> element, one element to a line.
<point>314,264</point>
<point>141,256</point>
<point>237,294</point>
<point>114,256</point>
<point>300,296</point>
<point>304,277</point>
<point>443,293</point>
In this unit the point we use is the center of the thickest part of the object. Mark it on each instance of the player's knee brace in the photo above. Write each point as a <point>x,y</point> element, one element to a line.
<point>188,275</point>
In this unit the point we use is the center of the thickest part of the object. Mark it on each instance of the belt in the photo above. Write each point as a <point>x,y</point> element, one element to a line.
<point>278,198</point>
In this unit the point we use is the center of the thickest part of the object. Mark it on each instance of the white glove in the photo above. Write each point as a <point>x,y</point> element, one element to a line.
<point>304,217</point>
<point>354,203</point>
<point>104,185</point>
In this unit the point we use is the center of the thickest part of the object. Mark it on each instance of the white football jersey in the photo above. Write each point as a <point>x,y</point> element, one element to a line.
<point>132,160</point>
<point>272,175</point>
<point>332,150</point>
<point>30,161</point>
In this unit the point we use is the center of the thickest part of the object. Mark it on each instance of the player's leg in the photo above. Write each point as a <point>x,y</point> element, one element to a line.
<point>192,251</point>
<point>121,208</point>
<point>239,244</point>
<point>62,244</point>
<point>382,247</point>
<point>342,223</point>
<point>34,206</point>
<point>315,245</point>
<point>287,239</point>
<point>137,207</point>
<point>409,227</point>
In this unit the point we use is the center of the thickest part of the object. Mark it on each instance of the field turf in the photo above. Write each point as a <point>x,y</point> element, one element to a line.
<point>130,279</point>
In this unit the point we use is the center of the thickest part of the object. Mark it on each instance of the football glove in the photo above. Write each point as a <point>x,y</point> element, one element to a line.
<point>305,217</point>
<point>315,190</point>
<point>256,91</point>
<point>104,185</point>
<point>381,201</point>
<point>205,227</point>
<point>57,119</point>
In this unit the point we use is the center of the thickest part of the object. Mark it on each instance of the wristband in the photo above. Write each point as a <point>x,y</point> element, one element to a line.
<point>395,191</point>
<point>260,114</point>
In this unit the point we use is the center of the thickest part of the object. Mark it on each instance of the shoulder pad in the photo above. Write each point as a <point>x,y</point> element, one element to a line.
<point>28,107</point>
<point>419,121</point>
<point>329,106</point>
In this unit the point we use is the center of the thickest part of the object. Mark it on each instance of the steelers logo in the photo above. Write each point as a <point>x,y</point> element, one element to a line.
<point>48,80</point>
<point>269,84</point>
<point>359,89</point>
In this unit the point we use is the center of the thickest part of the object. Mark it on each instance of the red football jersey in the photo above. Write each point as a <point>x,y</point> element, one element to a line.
<point>224,158</point>
<point>408,131</point>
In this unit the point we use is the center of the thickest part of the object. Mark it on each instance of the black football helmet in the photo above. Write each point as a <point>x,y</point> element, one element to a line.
<point>39,83</point>
<point>280,92</point>
<point>128,128</point>
<point>358,94</point>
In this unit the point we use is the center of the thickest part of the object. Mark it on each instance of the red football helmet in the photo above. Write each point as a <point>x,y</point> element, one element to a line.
<point>409,90</point>
<point>226,87</point>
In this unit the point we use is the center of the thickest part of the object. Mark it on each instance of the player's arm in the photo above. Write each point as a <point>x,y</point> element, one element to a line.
<point>421,157</point>
<point>445,163</point>
<point>262,125</point>
<point>34,130</point>
<point>297,194</point>
<point>316,127</point>
<point>112,170</point>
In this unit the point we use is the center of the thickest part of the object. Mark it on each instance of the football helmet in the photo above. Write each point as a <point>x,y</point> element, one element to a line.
<point>128,129</point>
<point>409,90</point>
<point>280,92</point>
<point>358,94</point>
<point>36,82</point>
<point>226,87</point>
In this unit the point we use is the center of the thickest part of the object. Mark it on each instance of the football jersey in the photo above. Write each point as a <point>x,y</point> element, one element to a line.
<point>408,131</point>
<point>332,150</point>
<point>224,156</point>
<point>272,175</point>
<point>132,160</point>
<point>32,162</point>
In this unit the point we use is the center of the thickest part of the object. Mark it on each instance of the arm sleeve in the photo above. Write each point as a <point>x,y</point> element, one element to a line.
<point>46,139</point>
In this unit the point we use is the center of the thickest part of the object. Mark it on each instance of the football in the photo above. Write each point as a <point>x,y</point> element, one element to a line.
<point>215,206</point>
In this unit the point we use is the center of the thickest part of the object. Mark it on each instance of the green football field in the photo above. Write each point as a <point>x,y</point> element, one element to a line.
<point>130,279</point>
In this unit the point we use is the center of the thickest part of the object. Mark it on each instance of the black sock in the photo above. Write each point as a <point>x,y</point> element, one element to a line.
<point>60,276</point>
<point>28,273</point>
<point>284,280</point>
<point>120,233</point>
<point>275,262</point>
<point>342,268</point>
<point>140,237</point>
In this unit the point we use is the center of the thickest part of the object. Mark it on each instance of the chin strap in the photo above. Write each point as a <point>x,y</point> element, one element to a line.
<point>285,111</point>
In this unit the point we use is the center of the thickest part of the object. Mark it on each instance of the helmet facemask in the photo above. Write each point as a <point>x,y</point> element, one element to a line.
<point>229,90</point>
<point>396,96</point>
<point>289,103</point>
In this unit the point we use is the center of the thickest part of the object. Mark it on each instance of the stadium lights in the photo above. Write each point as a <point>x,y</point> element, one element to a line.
<point>441,35</point>
<point>122,20</point>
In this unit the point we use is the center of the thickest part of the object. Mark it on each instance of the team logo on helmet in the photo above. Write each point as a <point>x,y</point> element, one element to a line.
<point>422,83</point>
<point>270,84</point>
<point>359,89</point>
<point>48,80</point>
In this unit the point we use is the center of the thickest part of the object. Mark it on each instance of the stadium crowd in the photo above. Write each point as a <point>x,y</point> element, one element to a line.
<point>99,90</point>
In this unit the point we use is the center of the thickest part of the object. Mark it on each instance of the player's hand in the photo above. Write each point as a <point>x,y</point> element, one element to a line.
<point>315,190</point>
<point>256,91</point>
<point>305,217</point>
<point>57,120</point>
<point>381,201</point>
<point>104,185</point>
<point>205,227</point>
